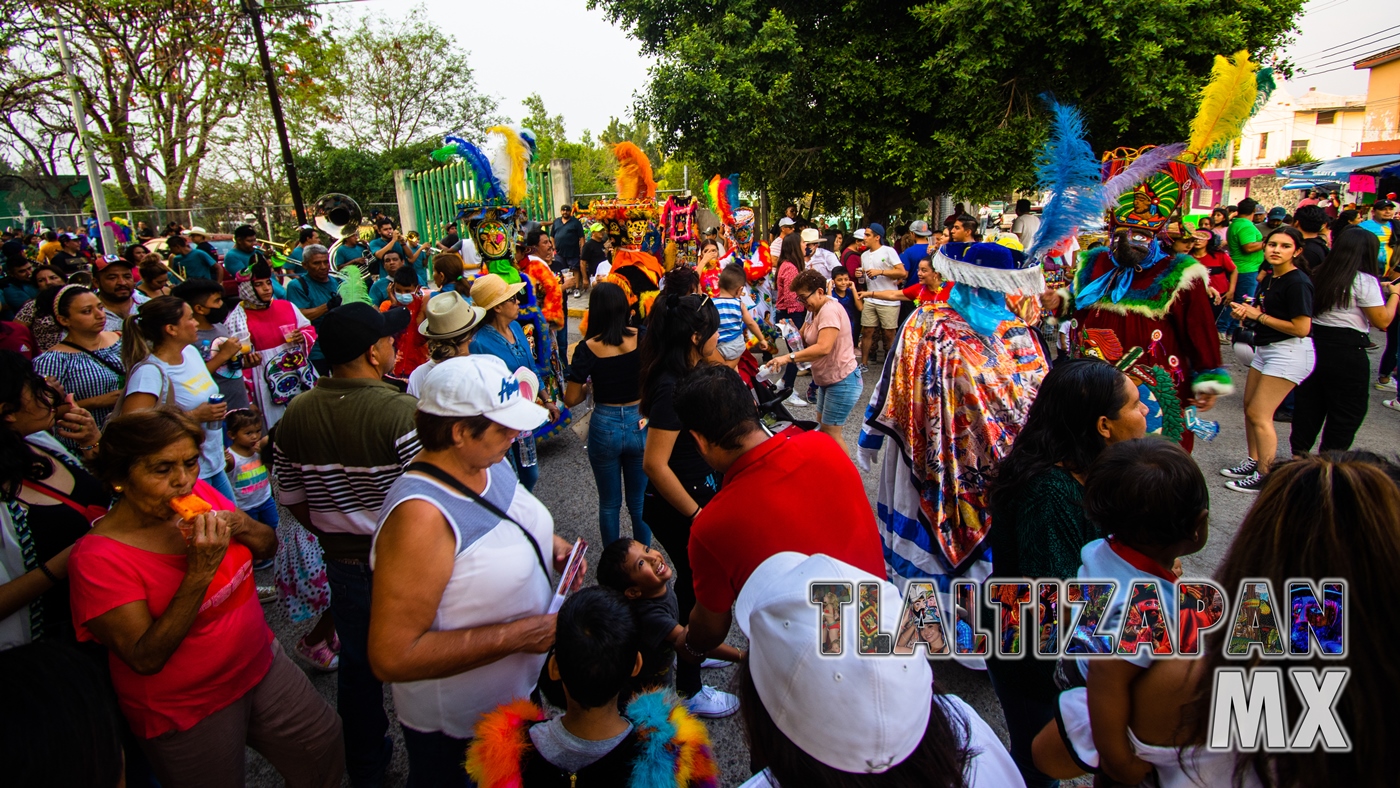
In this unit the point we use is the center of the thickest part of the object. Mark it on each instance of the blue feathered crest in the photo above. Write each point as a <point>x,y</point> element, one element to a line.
<point>1069,170</point>
<point>732,193</point>
<point>489,187</point>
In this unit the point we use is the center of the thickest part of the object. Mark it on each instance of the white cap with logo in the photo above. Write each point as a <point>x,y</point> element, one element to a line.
<point>481,385</point>
<point>853,712</point>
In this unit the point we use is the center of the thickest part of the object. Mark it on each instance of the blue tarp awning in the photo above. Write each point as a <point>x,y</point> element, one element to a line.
<point>1346,165</point>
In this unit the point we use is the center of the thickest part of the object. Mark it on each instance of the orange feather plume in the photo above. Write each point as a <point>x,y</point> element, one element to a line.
<point>634,178</point>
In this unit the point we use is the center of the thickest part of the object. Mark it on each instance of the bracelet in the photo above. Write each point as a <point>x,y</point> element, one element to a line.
<point>53,578</point>
<point>685,644</point>
<point>696,513</point>
<point>89,448</point>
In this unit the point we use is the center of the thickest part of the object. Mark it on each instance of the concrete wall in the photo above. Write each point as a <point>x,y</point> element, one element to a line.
<point>1381,132</point>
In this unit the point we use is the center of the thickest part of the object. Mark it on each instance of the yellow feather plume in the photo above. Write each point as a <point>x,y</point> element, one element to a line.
<point>634,178</point>
<point>518,152</point>
<point>1226,103</point>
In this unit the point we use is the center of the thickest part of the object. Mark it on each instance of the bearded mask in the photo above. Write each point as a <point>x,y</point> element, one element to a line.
<point>492,230</point>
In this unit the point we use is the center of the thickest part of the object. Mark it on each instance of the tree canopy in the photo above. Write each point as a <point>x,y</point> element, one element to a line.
<point>901,100</point>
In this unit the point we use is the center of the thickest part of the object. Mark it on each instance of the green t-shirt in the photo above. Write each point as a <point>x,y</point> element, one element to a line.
<point>1242,231</point>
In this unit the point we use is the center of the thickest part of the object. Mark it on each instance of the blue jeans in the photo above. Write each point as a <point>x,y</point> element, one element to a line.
<point>835,402</point>
<point>359,695</point>
<point>435,760</point>
<point>220,482</point>
<point>265,513</point>
<point>615,446</point>
<point>1245,285</point>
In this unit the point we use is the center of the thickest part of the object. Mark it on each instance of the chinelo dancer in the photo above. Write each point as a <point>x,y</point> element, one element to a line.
<point>954,394</point>
<point>1135,303</point>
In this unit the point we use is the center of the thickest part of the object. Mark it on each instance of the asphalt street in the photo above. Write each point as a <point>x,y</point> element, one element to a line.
<point>567,488</point>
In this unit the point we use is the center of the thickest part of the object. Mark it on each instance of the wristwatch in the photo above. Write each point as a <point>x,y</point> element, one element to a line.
<point>792,357</point>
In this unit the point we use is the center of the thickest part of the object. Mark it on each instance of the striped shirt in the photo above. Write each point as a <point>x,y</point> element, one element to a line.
<point>85,377</point>
<point>339,448</point>
<point>731,319</point>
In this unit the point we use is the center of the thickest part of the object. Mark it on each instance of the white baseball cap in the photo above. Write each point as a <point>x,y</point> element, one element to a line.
<point>853,712</point>
<point>859,233</point>
<point>481,385</point>
<point>786,221</point>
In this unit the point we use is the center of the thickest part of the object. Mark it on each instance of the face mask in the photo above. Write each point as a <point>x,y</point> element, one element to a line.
<point>218,315</point>
<point>404,298</point>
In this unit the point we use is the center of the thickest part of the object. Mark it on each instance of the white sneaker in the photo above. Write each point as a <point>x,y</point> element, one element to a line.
<point>712,703</point>
<point>795,401</point>
<point>711,663</point>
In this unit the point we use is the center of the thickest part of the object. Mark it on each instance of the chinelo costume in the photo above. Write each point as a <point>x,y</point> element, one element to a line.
<point>1134,303</point>
<point>630,222</point>
<point>953,395</point>
<point>492,217</point>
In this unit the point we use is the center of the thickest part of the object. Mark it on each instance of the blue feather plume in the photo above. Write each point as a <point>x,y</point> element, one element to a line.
<point>481,166</point>
<point>733,192</point>
<point>1068,168</point>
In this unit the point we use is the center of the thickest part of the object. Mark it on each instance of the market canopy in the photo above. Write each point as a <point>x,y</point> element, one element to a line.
<point>1340,168</point>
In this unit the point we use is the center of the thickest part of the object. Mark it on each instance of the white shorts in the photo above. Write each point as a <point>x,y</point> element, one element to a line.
<point>1291,359</point>
<point>732,349</point>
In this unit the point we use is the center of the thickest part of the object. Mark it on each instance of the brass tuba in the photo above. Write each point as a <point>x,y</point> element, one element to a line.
<point>339,217</point>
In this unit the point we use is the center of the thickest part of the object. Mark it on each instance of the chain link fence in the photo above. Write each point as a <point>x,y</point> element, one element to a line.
<point>275,222</point>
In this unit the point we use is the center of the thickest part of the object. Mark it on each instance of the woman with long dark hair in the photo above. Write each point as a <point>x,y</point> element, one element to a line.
<point>166,369</point>
<point>1318,517</point>
<point>682,331</point>
<point>1283,352</point>
<point>1348,299</point>
<point>791,262</point>
<point>1206,248</point>
<point>1036,496</point>
<point>47,501</point>
<point>607,364</point>
<point>1220,222</point>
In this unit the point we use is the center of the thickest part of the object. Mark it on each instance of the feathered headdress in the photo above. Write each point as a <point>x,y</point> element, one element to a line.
<point>1227,101</point>
<point>510,158</point>
<point>353,290</point>
<point>488,186</point>
<point>1069,170</point>
<point>634,179</point>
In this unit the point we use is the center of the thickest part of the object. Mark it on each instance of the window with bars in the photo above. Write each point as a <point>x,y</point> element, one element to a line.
<point>1263,145</point>
<point>1327,118</point>
<point>1298,146</point>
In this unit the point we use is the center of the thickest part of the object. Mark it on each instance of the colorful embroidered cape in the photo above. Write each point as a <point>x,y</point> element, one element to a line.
<point>953,401</point>
<point>1161,332</point>
<point>672,746</point>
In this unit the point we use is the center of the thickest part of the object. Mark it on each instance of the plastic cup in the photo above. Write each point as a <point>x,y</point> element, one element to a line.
<point>289,332</point>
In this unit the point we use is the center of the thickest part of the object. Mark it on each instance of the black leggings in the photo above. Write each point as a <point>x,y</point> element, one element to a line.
<point>672,529</point>
<point>790,371</point>
<point>1336,394</point>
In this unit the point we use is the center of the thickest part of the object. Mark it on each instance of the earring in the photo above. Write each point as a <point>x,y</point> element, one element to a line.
<point>117,488</point>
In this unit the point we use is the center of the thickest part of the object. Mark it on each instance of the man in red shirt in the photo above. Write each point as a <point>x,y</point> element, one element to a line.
<point>794,491</point>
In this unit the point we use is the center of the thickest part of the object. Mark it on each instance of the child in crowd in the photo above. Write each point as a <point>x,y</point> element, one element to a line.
<point>734,317</point>
<point>249,475</point>
<point>1148,496</point>
<point>644,579</point>
<point>593,744</point>
<point>845,293</point>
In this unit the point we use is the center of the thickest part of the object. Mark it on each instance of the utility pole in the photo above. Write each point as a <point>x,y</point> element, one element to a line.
<point>254,9</point>
<point>1225,179</point>
<point>99,199</point>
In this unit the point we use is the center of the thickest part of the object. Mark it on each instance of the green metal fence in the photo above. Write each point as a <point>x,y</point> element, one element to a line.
<point>437,191</point>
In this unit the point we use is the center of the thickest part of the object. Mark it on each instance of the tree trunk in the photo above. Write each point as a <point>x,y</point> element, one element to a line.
<point>882,201</point>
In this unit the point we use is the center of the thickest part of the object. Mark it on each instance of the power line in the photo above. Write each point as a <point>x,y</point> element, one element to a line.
<point>1311,55</point>
<point>1325,6</point>
<point>1347,62</point>
<point>1340,57</point>
<point>1338,54</point>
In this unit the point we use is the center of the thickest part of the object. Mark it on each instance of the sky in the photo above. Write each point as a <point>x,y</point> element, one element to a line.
<point>589,71</point>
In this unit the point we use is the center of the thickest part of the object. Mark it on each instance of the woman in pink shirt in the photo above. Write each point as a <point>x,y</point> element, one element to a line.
<point>197,672</point>
<point>832,352</point>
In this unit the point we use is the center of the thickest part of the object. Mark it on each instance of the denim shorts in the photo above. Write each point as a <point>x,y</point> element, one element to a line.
<point>835,402</point>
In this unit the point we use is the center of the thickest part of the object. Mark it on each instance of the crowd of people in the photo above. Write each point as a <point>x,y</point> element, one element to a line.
<point>152,434</point>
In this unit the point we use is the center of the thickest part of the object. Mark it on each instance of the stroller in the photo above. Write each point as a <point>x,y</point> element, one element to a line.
<point>769,399</point>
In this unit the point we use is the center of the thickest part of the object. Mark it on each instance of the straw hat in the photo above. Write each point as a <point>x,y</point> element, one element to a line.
<point>196,231</point>
<point>450,315</point>
<point>491,290</point>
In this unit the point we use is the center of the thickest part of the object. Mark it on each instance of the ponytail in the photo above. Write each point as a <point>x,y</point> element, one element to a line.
<point>672,326</point>
<point>144,330</point>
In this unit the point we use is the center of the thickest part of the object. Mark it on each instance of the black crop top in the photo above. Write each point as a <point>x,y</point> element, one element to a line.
<point>616,379</point>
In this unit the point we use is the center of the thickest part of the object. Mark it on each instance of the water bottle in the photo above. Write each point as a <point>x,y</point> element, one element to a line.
<point>217,399</point>
<point>528,458</point>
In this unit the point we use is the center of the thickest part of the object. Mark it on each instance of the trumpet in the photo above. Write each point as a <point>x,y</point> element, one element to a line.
<point>412,237</point>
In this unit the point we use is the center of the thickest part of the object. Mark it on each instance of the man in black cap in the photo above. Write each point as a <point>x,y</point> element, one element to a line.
<point>336,451</point>
<point>67,258</point>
